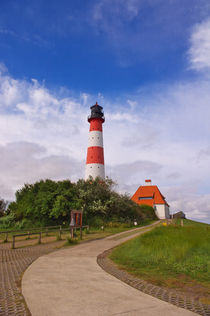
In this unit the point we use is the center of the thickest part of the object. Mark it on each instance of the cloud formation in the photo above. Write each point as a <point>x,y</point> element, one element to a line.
<point>142,30</point>
<point>23,162</point>
<point>161,132</point>
<point>199,52</point>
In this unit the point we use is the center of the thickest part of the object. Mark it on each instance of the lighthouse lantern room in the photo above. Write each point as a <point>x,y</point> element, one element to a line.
<point>95,152</point>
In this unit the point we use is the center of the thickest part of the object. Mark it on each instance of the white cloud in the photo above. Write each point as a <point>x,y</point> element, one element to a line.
<point>145,30</point>
<point>130,172</point>
<point>163,135</point>
<point>199,52</point>
<point>121,9</point>
<point>195,206</point>
<point>23,162</point>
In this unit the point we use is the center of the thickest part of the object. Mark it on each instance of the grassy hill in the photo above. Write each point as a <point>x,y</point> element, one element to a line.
<point>171,256</point>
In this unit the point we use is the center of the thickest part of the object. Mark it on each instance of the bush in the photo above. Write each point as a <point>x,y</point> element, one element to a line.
<point>7,221</point>
<point>70,241</point>
<point>49,203</point>
<point>96,222</point>
<point>24,223</point>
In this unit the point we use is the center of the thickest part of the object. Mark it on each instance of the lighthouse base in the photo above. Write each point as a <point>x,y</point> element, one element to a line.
<point>94,170</point>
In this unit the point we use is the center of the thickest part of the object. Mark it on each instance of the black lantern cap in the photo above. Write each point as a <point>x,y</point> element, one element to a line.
<point>96,112</point>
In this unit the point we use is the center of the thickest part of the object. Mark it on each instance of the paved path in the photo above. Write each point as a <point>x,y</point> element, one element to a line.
<point>13,262</point>
<point>70,282</point>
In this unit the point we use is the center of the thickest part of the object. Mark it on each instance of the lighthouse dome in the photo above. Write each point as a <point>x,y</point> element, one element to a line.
<point>96,112</point>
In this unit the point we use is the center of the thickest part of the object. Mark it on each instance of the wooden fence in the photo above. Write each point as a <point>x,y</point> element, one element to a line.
<point>28,230</point>
<point>45,230</point>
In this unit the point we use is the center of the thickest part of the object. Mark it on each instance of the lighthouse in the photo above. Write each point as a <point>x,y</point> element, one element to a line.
<point>95,152</point>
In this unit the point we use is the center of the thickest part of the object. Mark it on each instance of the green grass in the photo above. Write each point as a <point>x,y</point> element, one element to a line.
<point>114,228</point>
<point>93,233</point>
<point>173,255</point>
<point>70,242</point>
<point>189,222</point>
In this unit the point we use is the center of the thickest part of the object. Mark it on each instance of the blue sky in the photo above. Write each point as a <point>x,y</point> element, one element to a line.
<point>106,46</point>
<point>147,62</point>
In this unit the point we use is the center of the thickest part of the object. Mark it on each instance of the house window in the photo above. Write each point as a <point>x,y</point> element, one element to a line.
<point>145,198</point>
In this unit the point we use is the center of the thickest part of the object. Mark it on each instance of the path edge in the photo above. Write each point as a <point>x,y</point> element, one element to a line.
<point>158,292</point>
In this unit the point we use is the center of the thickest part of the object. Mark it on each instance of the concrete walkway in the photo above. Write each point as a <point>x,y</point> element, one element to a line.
<point>70,282</point>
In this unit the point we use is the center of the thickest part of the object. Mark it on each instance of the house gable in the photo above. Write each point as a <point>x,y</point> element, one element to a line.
<point>149,195</point>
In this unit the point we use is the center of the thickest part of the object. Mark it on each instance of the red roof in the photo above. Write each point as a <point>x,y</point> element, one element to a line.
<point>149,195</point>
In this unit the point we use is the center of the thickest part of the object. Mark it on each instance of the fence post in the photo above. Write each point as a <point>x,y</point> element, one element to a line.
<point>81,233</point>
<point>6,237</point>
<point>60,232</point>
<point>72,232</point>
<point>13,242</point>
<point>182,223</point>
<point>40,236</point>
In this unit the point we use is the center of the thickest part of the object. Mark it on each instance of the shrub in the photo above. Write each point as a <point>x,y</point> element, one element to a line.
<point>70,241</point>
<point>7,221</point>
<point>49,203</point>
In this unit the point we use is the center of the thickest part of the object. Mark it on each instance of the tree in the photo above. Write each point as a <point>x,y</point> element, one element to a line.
<point>45,202</point>
<point>50,202</point>
<point>3,207</point>
<point>94,196</point>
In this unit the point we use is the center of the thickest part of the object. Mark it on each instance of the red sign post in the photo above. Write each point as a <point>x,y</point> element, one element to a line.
<point>76,221</point>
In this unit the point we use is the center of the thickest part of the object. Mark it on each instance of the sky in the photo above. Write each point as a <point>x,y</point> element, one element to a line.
<point>147,62</point>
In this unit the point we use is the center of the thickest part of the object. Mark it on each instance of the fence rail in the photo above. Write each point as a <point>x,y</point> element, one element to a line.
<point>27,229</point>
<point>60,230</point>
<point>46,229</point>
<point>20,235</point>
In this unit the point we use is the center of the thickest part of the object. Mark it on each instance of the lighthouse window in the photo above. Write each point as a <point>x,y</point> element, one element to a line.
<point>145,198</point>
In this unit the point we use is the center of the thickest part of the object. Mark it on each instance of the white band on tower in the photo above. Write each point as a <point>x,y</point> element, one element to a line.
<point>94,170</point>
<point>95,139</point>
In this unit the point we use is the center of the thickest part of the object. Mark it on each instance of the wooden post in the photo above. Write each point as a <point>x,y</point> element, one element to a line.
<point>6,237</point>
<point>28,235</point>
<point>182,223</point>
<point>13,242</point>
<point>60,232</point>
<point>72,232</point>
<point>40,236</point>
<point>46,232</point>
<point>80,232</point>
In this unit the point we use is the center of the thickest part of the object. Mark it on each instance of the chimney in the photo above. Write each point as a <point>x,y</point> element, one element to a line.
<point>148,182</point>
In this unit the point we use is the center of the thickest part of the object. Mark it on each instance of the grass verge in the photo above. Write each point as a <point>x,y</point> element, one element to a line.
<point>172,256</point>
<point>70,242</point>
<point>93,233</point>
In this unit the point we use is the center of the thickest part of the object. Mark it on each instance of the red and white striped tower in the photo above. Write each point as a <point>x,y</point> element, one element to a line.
<point>95,152</point>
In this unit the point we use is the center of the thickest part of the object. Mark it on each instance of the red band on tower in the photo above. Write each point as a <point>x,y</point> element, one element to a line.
<point>96,125</point>
<point>95,155</point>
